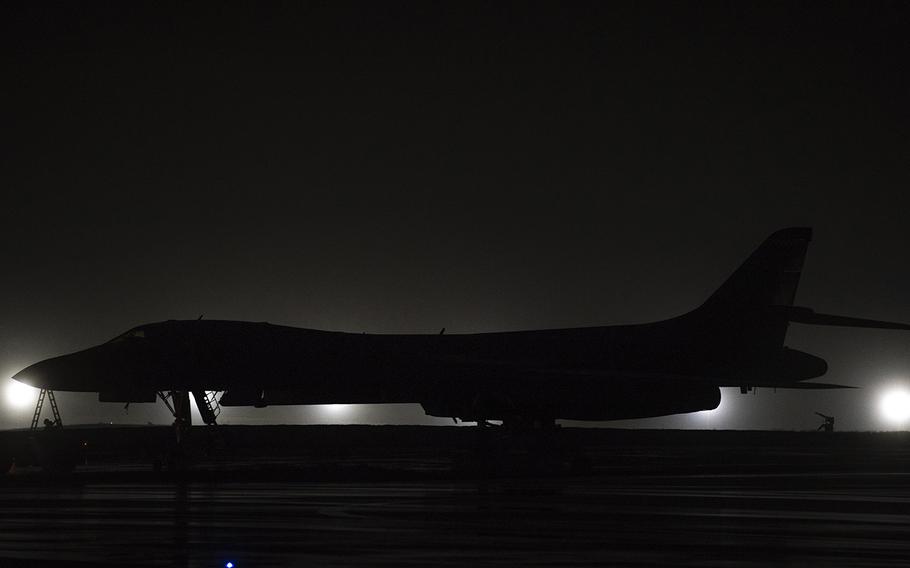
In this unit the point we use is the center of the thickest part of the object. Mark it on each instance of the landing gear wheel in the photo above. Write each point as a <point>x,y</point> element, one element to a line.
<point>175,459</point>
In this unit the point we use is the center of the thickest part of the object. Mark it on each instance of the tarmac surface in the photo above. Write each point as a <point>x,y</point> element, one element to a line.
<point>417,496</point>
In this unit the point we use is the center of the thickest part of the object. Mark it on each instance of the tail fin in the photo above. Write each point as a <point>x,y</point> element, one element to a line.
<point>769,276</point>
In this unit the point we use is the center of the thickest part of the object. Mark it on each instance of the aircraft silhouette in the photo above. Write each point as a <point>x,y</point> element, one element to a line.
<point>735,338</point>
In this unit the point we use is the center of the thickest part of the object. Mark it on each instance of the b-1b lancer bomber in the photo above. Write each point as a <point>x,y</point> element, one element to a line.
<point>734,339</point>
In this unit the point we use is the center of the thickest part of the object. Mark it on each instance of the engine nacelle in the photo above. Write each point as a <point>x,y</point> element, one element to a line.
<point>591,399</point>
<point>627,399</point>
<point>127,396</point>
<point>244,397</point>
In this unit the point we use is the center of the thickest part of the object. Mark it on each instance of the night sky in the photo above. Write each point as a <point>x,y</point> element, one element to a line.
<point>403,167</point>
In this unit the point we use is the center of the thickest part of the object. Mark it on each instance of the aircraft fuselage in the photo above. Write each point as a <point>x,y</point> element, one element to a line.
<point>564,373</point>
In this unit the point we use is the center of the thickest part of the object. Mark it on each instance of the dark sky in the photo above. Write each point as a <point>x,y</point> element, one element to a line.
<point>400,167</point>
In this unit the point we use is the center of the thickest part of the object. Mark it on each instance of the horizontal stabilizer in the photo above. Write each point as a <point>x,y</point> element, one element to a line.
<point>811,386</point>
<point>808,316</point>
<point>778,384</point>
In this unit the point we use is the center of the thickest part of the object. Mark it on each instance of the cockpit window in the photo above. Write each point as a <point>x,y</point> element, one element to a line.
<point>131,334</point>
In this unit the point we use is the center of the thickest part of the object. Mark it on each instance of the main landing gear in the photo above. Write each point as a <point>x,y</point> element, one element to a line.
<point>178,403</point>
<point>524,446</point>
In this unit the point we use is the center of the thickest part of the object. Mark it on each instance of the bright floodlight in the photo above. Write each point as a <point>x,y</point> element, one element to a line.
<point>19,395</point>
<point>895,406</point>
<point>336,409</point>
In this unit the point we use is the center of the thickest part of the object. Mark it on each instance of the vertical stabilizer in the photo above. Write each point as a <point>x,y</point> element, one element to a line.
<point>769,277</point>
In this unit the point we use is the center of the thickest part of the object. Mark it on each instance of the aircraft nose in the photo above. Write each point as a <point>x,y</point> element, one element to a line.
<point>90,370</point>
<point>34,376</point>
<point>67,372</point>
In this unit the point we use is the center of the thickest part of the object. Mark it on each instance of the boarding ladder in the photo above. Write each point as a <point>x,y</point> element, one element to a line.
<point>49,394</point>
<point>209,408</point>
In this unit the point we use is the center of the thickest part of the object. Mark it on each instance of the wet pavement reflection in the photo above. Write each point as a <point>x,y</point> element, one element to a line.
<point>396,497</point>
<point>857,520</point>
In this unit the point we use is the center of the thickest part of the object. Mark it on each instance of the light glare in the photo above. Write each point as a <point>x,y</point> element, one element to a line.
<point>712,418</point>
<point>895,406</point>
<point>19,395</point>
